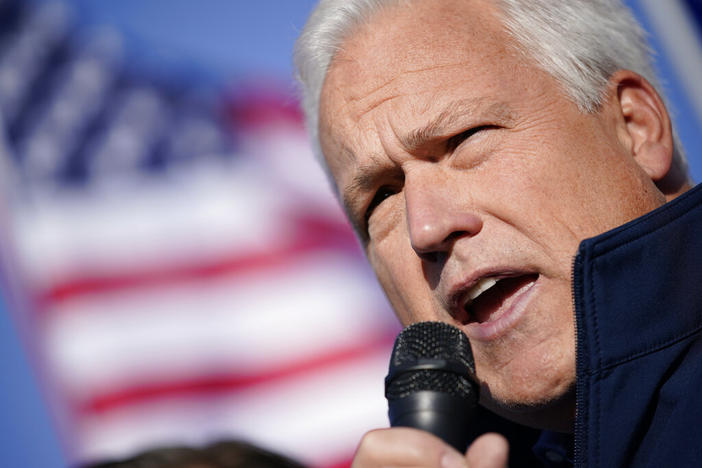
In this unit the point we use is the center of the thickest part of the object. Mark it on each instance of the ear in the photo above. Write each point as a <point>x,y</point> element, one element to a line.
<point>645,128</point>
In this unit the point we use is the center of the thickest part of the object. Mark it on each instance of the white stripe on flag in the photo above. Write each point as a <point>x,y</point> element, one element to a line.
<point>246,323</point>
<point>165,223</point>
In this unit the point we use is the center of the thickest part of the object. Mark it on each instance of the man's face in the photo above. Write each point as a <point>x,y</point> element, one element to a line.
<point>460,164</point>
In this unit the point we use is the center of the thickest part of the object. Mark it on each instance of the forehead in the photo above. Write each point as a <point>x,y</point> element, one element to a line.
<point>412,60</point>
<point>416,37</point>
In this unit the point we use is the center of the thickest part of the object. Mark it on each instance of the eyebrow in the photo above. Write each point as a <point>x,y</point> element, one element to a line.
<point>365,177</point>
<point>364,180</point>
<point>451,116</point>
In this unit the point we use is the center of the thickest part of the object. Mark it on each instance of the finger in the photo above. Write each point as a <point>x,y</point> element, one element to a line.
<point>405,447</point>
<point>488,451</point>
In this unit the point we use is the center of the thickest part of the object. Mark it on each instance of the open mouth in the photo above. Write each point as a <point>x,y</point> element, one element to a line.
<point>489,299</point>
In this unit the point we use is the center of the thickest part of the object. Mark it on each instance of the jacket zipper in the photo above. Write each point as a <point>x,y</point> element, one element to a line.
<point>580,426</point>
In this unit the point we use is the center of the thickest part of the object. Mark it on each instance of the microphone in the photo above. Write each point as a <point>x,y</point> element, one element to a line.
<point>430,383</point>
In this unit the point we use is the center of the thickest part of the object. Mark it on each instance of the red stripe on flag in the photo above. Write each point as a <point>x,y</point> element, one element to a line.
<point>232,383</point>
<point>160,276</point>
<point>307,235</point>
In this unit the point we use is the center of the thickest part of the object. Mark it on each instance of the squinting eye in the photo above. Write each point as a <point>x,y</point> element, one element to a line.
<point>382,193</point>
<point>456,140</point>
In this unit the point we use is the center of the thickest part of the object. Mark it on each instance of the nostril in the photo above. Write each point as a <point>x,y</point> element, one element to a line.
<point>429,257</point>
<point>455,235</point>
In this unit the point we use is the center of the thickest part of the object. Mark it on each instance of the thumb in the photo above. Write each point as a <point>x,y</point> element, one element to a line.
<point>488,451</point>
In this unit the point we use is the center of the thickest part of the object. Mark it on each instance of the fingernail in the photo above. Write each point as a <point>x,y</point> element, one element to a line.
<point>453,460</point>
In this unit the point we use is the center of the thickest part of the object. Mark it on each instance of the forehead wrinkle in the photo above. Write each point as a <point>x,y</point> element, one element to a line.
<point>368,95</point>
<point>341,58</point>
<point>410,71</point>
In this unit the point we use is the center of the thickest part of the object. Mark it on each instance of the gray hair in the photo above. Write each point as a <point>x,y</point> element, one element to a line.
<point>581,43</point>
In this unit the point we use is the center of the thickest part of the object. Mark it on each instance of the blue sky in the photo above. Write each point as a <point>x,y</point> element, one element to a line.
<point>220,41</point>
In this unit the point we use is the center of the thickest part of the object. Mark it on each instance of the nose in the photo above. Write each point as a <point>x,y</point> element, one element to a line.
<point>438,213</point>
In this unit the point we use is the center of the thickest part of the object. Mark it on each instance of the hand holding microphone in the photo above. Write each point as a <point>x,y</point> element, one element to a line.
<point>431,398</point>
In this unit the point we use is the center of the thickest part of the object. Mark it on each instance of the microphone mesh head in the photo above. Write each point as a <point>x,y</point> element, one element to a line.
<point>431,340</point>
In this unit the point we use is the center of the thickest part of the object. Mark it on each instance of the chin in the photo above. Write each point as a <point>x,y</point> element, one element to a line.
<point>547,402</point>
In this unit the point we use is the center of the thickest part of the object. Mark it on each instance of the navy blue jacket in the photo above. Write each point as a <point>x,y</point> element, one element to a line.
<point>637,292</point>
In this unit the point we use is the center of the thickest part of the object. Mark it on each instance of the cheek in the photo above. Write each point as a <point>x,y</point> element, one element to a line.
<point>385,257</point>
<point>386,225</point>
<point>532,194</point>
<point>400,274</point>
<point>556,193</point>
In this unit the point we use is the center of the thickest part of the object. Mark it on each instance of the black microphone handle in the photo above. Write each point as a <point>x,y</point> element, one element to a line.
<point>446,416</point>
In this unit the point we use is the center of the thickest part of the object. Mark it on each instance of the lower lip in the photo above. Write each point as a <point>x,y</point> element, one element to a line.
<point>493,329</point>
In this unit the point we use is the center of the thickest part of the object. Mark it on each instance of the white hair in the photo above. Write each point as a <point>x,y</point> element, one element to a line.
<point>581,43</point>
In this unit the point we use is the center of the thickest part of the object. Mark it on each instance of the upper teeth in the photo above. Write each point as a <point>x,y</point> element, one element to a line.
<point>480,287</point>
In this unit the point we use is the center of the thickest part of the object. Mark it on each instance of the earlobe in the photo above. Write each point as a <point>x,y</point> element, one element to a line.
<point>655,159</point>
<point>646,128</point>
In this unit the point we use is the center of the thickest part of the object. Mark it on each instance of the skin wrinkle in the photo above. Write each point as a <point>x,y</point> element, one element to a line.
<point>374,105</point>
<point>369,94</point>
<point>343,152</point>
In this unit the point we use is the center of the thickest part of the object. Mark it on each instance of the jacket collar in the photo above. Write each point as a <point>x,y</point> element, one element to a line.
<point>638,301</point>
<point>637,287</point>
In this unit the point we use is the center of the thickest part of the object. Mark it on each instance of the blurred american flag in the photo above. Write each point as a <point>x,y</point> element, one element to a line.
<point>184,273</point>
<point>187,275</point>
